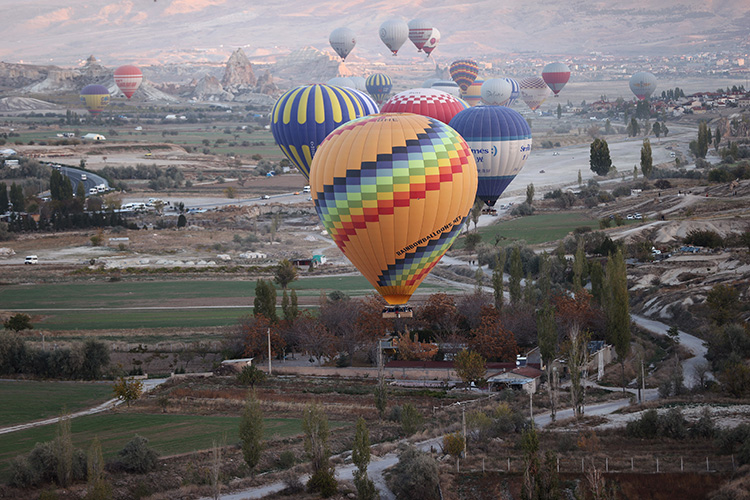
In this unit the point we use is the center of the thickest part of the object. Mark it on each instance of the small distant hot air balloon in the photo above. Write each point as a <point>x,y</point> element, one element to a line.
<point>128,78</point>
<point>95,98</point>
<point>496,91</point>
<point>426,102</point>
<point>304,116</point>
<point>534,91</point>
<point>500,139</point>
<point>379,86</point>
<point>394,33</point>
<point>343,41</point>
<point>473,94</point>
<point>447,86</point>
<point>643,84</point>
<point>556,75</point>
<point>419,32</point>
<point>341,81</point>
<point>393,191</point>
<point>431,42</point>
<point>464,72</point>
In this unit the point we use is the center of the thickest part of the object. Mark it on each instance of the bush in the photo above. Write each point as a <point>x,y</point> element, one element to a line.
<point>286,460</point>
<point>662,184</point>
<point>250,375</point>
<point>645,427</point>
<point>137,456</point>
<point>395,415</point>
<point>415,476</point>
<point>672,424</point>
<point>704,238</point>
<point>523,209</point>
<point>324,482</point>
<point>704,427</point>
<point>621,191</point>
<point>411,419</point>
<point>453,444</point>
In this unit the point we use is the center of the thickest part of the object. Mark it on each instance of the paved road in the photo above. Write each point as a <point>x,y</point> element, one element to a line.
<point>76,176</point>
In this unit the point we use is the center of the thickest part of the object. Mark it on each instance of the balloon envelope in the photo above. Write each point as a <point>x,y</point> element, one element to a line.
<point>128,78</point>
<point>426,102</point>
<point>556,75</point>
<point>431,42</point>
<point>447,86</point>
<point>473,94</point>
<point>496,91</point>
<point>359,83</point>
<point>642,84</point>
<point>419,32</point>
<point>534,91</point>
<point>343,41</point>
<point>464,72</point>
<point>95,98</point>
<point>305,115</point>
<point>379,86</point>
<point>370,106</point>
<point>500,140</point>
<point>341,81</point>
<point>393,190</point>
<point>394,33</point>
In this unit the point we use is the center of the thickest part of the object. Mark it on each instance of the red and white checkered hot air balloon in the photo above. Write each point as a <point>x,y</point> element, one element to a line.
<point>556,75</point>
<point>426,102</point>
<point>534,91</point>
<point>128,78</point>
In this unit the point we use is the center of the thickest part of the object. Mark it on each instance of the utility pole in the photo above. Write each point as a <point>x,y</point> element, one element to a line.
<point>463,417</point>
<point>643,380</point>
<point>531,407</point>
<point>269,351</point>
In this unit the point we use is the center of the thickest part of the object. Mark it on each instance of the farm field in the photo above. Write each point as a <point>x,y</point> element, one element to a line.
<point>25,401</point>
<point>537,229</point>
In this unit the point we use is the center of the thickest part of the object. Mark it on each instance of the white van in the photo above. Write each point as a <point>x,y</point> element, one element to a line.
<point>31,259</point>
<point>306,189</point>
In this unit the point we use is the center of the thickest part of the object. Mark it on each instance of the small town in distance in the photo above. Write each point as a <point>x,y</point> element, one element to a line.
<point>379,252</point>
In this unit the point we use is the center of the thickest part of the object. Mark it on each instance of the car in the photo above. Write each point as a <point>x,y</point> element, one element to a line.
<point>265,197</point>
<point>630,217</point>
<point>673,154</point>
<point>83,177</point>
<point>638,216</point>
<point>541,171</point>
<point>148,154</point>
<point>31,259</point>
<point>296,193</point>
<point>555,154</point>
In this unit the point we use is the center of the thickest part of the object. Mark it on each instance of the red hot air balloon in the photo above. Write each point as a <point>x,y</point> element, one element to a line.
<point>128,78</point>
<point>556,75</point>
<point>426,102</point>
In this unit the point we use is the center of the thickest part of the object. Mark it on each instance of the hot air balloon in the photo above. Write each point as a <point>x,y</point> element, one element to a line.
<point>394,33</point>
<point>393,191</point>
<point>379,86</point>
<point>642,84</point>
<point>419,32</point>
<point>343,41</point>
<point>473,94</point>
<point>359,83</point>
<point>426,102</point>
<point>95,98</point>
<point>431,42</point>
<point>447,86</point>
<point>556,75</point>
<point>534,91</point>
<point>464,72</point>
<point>305,115</point>
<point>496,91</point>
<point>371,108</point>
<point>500,139</point>
<point>341,81</point>
<point>128,78</point>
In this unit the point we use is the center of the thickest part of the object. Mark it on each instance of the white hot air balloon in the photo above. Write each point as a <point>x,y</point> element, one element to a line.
<point>447,86</point>
<point>360,83</point>
<point>342,81</point>
<point>419,32</point>
<point>534,91</point>
<point>496,91</point>
<point>431,42</point>
<point>343,41</point>
<point>643,84</point>
<point>394,33</point>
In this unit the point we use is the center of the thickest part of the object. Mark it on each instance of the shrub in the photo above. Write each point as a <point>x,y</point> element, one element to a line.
<point>453,444</point>
<point>286,460</point>
<point>395,415</point>
<point>415,476</point>
<point>672,424</point>
<point>704,238</point>
<point>645,427</point>
<point>523,209</point>
<point>137,456</point>
<point>621,191</point>
<point>250,375</point>
<point>411,419</point>
<point>663,184</point>
<point>704,427</point>
<point>324,482</point>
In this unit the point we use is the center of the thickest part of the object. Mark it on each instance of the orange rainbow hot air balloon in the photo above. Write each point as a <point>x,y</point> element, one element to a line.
<point>393,191</point>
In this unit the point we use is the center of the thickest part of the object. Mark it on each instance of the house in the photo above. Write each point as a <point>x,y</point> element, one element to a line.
<point>600,355</point>
<point>317,260</point>
<point>524,378</point>
<point>237,364</point>
<point>94,137</point>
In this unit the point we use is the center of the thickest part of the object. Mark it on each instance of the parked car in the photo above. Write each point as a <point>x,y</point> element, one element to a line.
<point>31,259</point>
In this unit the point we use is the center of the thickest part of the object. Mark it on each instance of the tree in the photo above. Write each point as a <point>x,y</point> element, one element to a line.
<point>559,111</point>
<point>491,340</point>
<point>547,334</point>
<point>16,198</point>
<point>415,476</point>
<point>265,300</point>
<point>657,129</point>
<point>381,397</point>
<point>576,355</point>
<point>4,201</point>
<point>516,274</point>
<point>617,308</point>
<point>470,366</point>
<point>497,279</point>
<point>411,419</point>
<point>251,375</point>
<point>600,160</point>
<point>251,430</point>
<point>128,389</point>
<point>476,211</point>
<point>580,178</point>
<point>596,274</point>
<point>18,322</point>
<point>440,314</point>
<point>530,194</point>
<point>137,456</point>
<point>530,447</point>
<point>703,140</point>
<point>647,161</point>
<point>98,487</point>
<point>286,272</point>
<point>722,300</point>
<point>315,427</point>
<point>254,334</point>
<point>664,129</point>
<point>361,458</point>
<point>633,128</point>
<point>64,451</point>
<point>181,220</point>
<point>580,266</point>
<point>717,141</point>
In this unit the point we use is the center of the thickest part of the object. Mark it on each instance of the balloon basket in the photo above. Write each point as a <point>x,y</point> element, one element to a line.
<point>395,312</point>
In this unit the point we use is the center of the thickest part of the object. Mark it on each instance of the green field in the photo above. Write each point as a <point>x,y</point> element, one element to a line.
<point>167,434</point>
<point>155,304</point>
<point>535,229</point>
<point>25,401</point>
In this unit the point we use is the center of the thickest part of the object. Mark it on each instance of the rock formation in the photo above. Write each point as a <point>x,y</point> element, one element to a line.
<point>238,74</point>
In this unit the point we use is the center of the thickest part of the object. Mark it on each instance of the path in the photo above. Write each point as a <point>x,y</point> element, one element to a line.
<point>107,405</point>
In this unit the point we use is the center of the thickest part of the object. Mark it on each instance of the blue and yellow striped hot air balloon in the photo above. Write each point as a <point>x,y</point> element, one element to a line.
<point>95,98</point>
<point>305,115</point>
<point>379,86</point>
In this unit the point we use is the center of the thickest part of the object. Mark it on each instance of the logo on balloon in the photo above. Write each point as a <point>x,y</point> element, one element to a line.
<point>494,150</point>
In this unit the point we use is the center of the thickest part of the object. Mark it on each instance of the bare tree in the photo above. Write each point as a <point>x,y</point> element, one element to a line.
<point>577,356</point>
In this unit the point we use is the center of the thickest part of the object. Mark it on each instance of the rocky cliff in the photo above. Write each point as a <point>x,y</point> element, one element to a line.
<point>238,74</point>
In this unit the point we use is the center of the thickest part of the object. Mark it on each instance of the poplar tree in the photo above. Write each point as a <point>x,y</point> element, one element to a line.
<point>251,430</point>
<point>497,279</point>
<point>599,159</point>
<point>361,458</point>
<point>4,201</point>
<point>617,308</point>
<point>547,333</point>
<point>579,267</point>
<point>647,161</point>
<point>516,274</point>
<point>265,300</point>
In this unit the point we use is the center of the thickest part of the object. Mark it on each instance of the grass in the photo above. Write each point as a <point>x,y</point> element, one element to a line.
<point>26,401</point>
<point>167,434</point>
<point>534,229</point>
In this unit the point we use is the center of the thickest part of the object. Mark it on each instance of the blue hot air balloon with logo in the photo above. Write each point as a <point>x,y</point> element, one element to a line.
<point>500,140</point>
<point>379,86</point>
<point>305,115</point>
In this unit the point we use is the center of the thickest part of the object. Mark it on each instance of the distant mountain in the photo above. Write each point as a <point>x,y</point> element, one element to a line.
<point>178,31</point>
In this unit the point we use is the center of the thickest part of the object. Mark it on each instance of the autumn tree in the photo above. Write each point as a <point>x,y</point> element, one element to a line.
<point>254,334</point>
<point>264,303</point>
<point>647,161</point>
<point>547,334</point>
<point>285,273</point>
<point>576,355</point>
<point>316,430</point>
<point>413,350</point>
<point>128,389</point>
<point>491,340</point>
<point>251,430</point>
<point>599,159</point>
<point>312,336</point>
<point>439,314</point>
<point>470,366</point>
<point>339,316</point>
